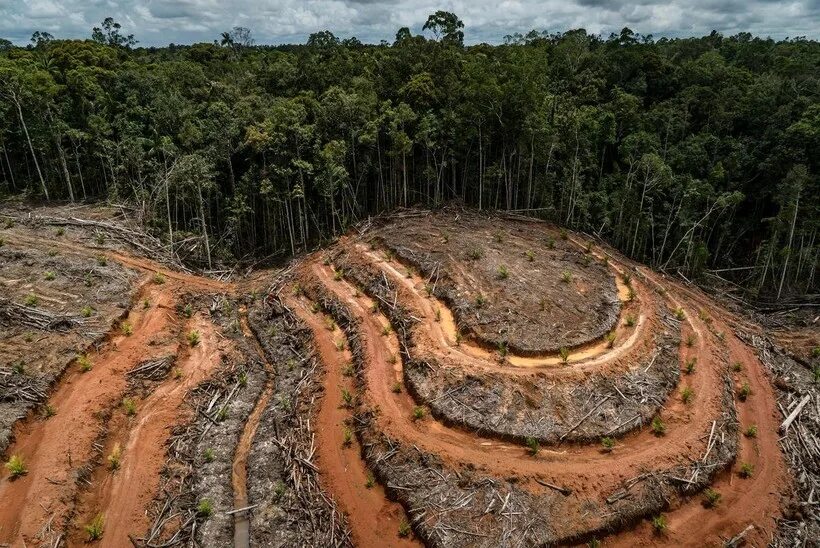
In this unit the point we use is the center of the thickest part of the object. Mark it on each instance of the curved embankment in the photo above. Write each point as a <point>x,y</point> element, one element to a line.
<point>96,456</point>
<point>583,469</point>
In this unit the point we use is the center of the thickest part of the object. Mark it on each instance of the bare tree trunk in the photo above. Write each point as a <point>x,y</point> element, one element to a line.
<point>789,247</point>
<point>30,146</point>
<point>202,223</point>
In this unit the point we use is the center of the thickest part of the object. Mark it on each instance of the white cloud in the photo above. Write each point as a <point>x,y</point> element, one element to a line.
<point>157,22</point>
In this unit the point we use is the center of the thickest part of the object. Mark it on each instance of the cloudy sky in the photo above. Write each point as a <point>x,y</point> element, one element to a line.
<point>159,22</point>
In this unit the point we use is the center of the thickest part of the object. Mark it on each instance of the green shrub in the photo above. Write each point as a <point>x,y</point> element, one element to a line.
<point>347,437</point>
<point>690,340</point>
<point>31,300</point>
<point>530,255</point>
<point>503,273</point>
<point>347,398</point>
<point>404,529</point>
<point>50,275</point>
<point>680,314</point>
<point>608,444</point>
<point>95,527</point>
<point>566,276</point>
<point>159,278</point>
<point>126,328</point>
<point>193,337</point>
<point>744,392</point>
<point>564,351</point>
<point>115,457</point>
<point>746,470</point>
<point>610,339</point>
<point>208,455</point>
<point>711,498</point>
<point>85,363</point>
<point>658,426</point>
<point>371,481</point>
<point>397,387</point>
<point>690,365</point>
<point>86,311</point>
<point>687,395</point>
<point>129,406</point>
<point>418,413</point>
<point>630,320</point>
<point>659,524</point>
<point>533,447</point>
<point>205,508</point>
<point>16,466</point>
<point>751,431</point>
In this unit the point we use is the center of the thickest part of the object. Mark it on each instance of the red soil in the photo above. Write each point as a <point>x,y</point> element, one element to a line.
<point>584,468</point>
<point>373,519</point>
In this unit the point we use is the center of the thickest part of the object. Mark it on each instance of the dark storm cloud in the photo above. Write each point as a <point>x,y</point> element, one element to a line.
<point>158,22</point>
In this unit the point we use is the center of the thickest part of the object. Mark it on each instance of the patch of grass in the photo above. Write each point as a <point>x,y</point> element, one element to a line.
<point>550,243</point>
<point>564,351</point>
<point>396,387</point>
<point>16,466</point>
<point>243,379</point>
<point>503,350</point>
<point>348,370</point>
<point>630,320</point>
<point>279,489</point>
<point>222,415</point>
<point>404,529</point>
<point>193,337</point>
<point>631,294</point>
<point>50,275</point>
<point>503,273</point>
<point>85,363</point>
<point>49,411</point>
<point>566,277</point>
<point>115,457</point>
<point>480,301</point>
<point>102,260</point>
<point>187,311</point>
<point>94,529</point>
<point>418,413</point>
<point>60,232</point>
<point>159,278</point>
<point>687,395</point>
<point>31,300</point>
<point>608,444</point>
<point>658,427</point>
<point>690,340</point>
<point>347,398</point>
<point>100,238</point>
<point>680,314</point>
<point>129,407</point>
<point>347,437</point>
<point>205,508</point>
<point>529,255</point>
<point>126,328</point>
<point>87,280</point>
<point>751,431</point>
<point>208,455</point>
<point>533,447</point>
<point>659,524</point>
<point>746,470</point>
<point>371,481</point>
<point>737,367</point>
<point>610,339</point>
<point>498,237</point>
<point>340,345</point>
<point>690,365</point>
<point>176,373</point>
<point>704,317</point>
<point>711,498</point>
<point>86,311</point>
<point>744,392</point>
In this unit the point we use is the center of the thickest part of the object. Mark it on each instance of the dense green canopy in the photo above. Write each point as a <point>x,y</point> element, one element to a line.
<point>700,155</point>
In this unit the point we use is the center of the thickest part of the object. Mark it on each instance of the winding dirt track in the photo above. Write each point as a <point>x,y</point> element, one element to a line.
<point>53,501</point>
<point>52,504</point>
<point>581,467</point>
